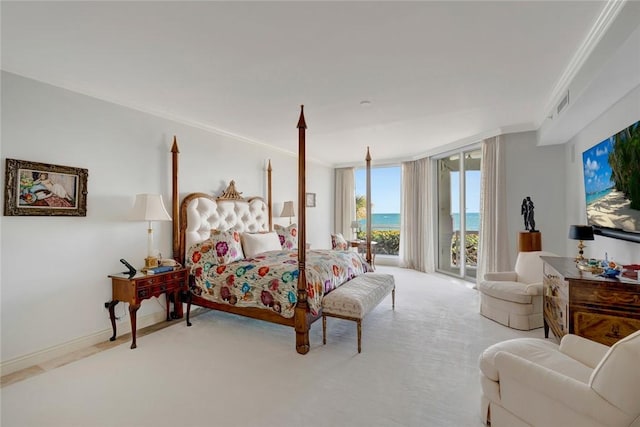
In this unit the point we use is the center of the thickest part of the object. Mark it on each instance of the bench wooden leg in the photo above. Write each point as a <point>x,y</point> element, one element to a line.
<point>359,335</point>
<point>324,329</point>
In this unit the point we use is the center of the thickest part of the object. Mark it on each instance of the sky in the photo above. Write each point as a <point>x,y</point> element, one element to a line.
<point>597,172</point>
<point>386,189</point>
<point>472,182</point>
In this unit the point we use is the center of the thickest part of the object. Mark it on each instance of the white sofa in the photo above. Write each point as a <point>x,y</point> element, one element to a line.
<point>514,298</point>
<point>535,382</point>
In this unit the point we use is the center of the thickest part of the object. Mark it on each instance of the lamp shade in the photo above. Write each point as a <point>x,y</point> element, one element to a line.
<point>287,210</point>
<point>581,232</point>
<point>355,225</point>
<point>149,207</point>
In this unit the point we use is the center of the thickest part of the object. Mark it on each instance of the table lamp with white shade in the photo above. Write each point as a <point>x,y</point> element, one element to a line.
<point>149,207</point>
<point>355,226</point>
<point>287,210</point>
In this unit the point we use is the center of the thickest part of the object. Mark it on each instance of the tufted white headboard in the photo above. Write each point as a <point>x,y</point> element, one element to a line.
<point>200,213</point>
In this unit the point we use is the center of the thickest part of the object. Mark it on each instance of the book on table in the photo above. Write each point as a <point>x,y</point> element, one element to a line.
<point>160,269</point>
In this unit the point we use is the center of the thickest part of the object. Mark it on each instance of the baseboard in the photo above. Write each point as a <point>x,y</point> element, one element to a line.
<point>42,356</point>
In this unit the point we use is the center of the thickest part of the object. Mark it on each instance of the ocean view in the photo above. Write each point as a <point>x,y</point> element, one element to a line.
<point>391,221</point>
<point>472,219</point>
<point>592,197</point>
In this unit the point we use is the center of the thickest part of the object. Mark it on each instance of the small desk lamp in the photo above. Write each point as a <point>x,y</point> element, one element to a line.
<point>581,232</point>
<point>355,226</point>
<point>149,207</point>
<point>287,210</point>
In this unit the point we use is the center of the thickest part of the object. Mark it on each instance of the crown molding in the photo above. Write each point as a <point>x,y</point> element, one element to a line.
<point>606,18</point>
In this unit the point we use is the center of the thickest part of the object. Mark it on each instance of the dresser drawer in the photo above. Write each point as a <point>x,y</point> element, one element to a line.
<point>155,285</point>
<point>606,297</point>
<point>177,275</point>
<point>603,328</point>
<point>144,293</point>
<point>148,281</point>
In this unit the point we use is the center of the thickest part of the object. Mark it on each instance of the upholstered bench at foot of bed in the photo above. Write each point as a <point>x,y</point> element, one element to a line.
<point>356,298</point>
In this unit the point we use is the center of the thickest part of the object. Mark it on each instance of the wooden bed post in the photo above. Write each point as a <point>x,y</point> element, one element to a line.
<point>175,200</point>
<point>301,320</point>
<point>175,211</point>
<point>368,159</point>
<point>269,196</point>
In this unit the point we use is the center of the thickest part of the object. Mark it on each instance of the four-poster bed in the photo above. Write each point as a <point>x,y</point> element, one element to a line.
<point>261,291</point>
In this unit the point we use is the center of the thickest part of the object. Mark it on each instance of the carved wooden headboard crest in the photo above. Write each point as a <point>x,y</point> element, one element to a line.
<point>231,193</point>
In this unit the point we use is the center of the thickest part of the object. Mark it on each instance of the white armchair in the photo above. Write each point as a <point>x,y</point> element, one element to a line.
<point>514,298</point>
<point>534,382</point>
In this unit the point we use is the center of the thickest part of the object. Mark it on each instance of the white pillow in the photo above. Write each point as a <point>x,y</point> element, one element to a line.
<point>255,243</point>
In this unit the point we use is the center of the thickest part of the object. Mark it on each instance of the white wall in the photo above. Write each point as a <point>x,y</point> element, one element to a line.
<point>538,172</point>
<point>552,175</point>
<point>622,114</point>
<point>54,269</point>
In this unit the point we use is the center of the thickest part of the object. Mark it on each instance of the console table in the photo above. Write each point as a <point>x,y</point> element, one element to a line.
<point>135,289</point>
<point>581,303</point>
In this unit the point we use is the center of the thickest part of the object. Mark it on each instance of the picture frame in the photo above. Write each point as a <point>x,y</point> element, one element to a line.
<point>310,200</point>
<point>41,189</point>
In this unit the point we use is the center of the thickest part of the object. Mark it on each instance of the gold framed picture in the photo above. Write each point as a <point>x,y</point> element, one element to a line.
<point>41,189</point>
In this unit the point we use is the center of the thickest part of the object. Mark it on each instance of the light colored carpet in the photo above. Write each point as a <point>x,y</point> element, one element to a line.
<point>418,367</point>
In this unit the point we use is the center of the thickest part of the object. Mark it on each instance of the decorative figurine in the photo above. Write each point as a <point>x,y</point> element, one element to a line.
<point>526,210</point>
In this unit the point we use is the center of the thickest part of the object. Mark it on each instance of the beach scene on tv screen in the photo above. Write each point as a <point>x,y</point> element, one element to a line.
<point>612,181</point>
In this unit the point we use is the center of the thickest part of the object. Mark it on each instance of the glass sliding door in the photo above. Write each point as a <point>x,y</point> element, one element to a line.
<point>448,250</point>
<point>471,228</point>
<point>458,218</point>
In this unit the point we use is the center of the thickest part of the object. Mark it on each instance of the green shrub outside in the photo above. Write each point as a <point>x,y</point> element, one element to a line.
<point>470,250</point>
<point>388,241</point>
<point>389,244</point>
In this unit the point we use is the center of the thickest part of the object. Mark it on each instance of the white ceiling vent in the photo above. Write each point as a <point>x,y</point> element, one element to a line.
<point>564,102</point>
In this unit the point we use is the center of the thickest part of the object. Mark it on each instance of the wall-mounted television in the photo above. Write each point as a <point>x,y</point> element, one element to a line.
<point>612,185</point>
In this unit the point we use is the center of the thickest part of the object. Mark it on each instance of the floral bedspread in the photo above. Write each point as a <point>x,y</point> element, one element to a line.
<point>269,280</point>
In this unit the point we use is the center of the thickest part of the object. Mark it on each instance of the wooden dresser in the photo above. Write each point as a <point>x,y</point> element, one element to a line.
<point>581,303</point>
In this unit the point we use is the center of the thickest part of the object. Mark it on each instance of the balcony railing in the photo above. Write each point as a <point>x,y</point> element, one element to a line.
<point>470,248</point>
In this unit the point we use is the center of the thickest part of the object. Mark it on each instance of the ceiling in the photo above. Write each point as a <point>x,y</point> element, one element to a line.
<point>435,73</point>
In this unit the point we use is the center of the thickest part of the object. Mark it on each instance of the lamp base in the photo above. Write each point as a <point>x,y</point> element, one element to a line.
<point>150,262</point>
<point>580,257</point>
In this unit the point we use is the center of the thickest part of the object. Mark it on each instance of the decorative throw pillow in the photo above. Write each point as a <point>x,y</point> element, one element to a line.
<point>255,243</point>
<point>226,245</point>
<point>338,242</point>
<point>288,236</point>
<point>200,258</point>
<point>202,253</point>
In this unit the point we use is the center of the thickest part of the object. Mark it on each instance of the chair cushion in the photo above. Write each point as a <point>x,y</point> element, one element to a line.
<point>536,350</point>
<point>508,291</point>
<point>529,266</point>
<point>358,296</point>
<point>617,376</point>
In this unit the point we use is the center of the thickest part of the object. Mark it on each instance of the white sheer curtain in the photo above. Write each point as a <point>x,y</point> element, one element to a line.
<point>416,218</point>
<point>345,201</point>
<point>493,253</point>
